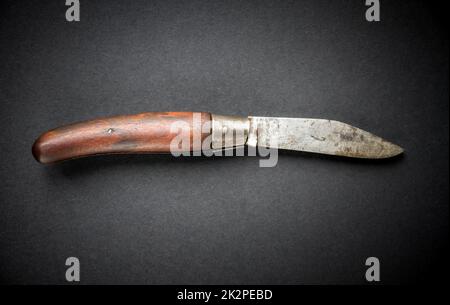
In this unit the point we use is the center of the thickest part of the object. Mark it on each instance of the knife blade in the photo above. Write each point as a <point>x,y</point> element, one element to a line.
<point>177,132</point>
<point>319,136</point>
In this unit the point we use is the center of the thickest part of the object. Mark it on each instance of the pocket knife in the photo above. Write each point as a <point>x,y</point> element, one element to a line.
<point>160,132</point>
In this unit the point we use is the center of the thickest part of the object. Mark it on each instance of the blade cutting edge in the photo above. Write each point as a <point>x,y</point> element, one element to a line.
<point>318,136</point>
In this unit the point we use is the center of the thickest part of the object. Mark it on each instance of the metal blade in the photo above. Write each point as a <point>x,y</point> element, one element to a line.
<point>319,136</point>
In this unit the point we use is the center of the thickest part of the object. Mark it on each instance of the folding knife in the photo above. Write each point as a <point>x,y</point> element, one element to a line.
<point>178,132</point>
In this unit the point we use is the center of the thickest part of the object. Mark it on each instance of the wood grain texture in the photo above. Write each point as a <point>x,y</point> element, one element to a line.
<point>150,132</point>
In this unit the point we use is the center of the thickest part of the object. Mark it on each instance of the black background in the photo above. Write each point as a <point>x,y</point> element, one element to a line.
<point>163,220</point>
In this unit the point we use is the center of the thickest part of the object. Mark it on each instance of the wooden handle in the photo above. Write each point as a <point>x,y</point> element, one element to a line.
<point>150,132</point>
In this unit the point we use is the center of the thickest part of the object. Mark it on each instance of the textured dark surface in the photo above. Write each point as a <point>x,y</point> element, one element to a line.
<point>164,220</point>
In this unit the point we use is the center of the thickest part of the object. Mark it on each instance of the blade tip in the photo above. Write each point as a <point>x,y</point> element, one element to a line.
<point>392,150</point>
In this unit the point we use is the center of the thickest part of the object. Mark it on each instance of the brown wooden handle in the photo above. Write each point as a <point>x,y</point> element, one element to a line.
<point>150,132</point>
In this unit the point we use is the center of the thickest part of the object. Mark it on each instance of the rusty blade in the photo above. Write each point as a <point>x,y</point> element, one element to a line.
<point>319,136</point>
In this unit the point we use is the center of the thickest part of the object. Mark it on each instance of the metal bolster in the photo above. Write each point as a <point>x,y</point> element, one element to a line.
<point>229,131</point>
